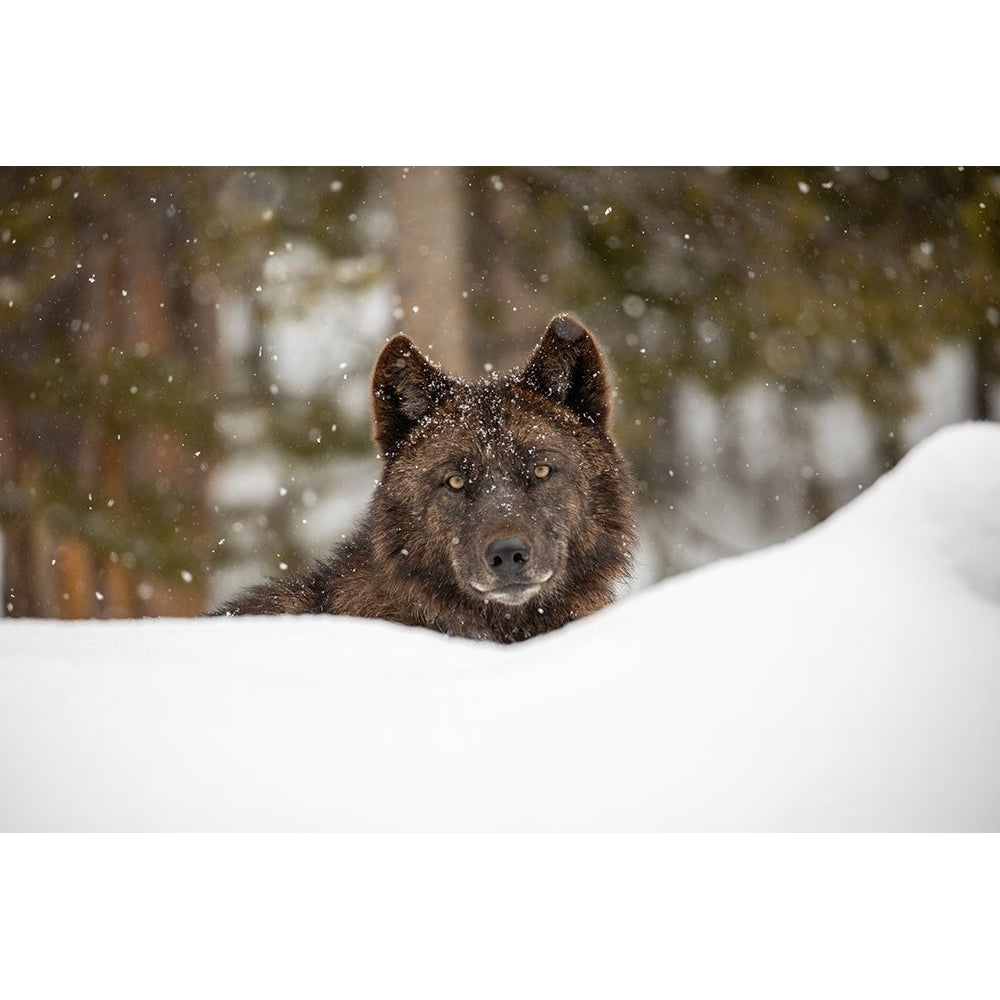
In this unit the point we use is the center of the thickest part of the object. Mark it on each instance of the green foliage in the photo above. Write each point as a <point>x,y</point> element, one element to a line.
<point>110,282</point>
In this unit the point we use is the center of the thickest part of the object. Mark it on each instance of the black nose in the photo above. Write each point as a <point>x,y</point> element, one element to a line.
<point>507,557</point>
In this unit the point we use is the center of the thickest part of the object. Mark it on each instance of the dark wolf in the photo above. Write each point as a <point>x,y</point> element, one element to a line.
<point>504,509</point>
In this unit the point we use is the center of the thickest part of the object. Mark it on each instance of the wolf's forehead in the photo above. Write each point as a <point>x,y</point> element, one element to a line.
<point>488,424</point>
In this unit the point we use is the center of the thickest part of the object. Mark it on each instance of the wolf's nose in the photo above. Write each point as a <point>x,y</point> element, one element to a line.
<point>507,556</point>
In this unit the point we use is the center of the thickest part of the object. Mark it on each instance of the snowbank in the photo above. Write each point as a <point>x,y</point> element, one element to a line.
<point>846,680</point>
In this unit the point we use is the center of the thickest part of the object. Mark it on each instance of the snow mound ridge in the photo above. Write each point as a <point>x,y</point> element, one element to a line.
<point>943,502</point>
<point>846,680</point>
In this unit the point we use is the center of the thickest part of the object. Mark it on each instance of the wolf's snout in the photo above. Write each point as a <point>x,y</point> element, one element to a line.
<point>507,557</point>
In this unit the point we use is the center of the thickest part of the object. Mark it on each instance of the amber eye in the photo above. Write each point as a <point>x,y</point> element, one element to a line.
<point>543,471</point>
<point>455,482</point>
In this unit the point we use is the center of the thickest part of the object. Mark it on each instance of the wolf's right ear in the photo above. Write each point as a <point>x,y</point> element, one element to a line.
<point>405,388</point>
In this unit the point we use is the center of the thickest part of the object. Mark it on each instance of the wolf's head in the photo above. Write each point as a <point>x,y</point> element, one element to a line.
<point>506,496</point>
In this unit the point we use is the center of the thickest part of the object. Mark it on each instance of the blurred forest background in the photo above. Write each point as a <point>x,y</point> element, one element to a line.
<point>185,352</point>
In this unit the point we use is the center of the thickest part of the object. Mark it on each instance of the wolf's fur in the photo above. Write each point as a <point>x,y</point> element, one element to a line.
<point>504,509</point>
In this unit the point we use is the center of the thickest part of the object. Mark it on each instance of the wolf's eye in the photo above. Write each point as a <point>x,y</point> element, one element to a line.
<point>543,471</point>
<point>455,483</point>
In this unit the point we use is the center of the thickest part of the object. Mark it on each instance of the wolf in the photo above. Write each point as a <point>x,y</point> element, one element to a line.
<point>504,508</point>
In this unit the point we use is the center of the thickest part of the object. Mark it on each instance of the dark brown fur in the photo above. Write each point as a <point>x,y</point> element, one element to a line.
<point>511,552</point>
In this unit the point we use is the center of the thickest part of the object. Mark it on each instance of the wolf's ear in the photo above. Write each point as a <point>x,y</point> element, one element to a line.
<point>405,388</point>
<point>567,368</point>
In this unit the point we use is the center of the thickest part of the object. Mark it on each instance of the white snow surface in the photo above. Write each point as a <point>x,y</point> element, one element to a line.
<point>846,680</point>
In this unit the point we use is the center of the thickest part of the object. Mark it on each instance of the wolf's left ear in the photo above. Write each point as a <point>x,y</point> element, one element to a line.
<point>405,388</point>
<point>567,368</point>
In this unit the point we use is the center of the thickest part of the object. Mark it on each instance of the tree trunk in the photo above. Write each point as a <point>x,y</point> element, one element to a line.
<point>985,372</point>
<point>431,209</point>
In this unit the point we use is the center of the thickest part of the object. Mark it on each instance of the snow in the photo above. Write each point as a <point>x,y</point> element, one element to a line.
<point>848,679</point>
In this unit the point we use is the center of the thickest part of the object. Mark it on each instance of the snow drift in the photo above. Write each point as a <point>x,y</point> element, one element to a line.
<point>846,680</point>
